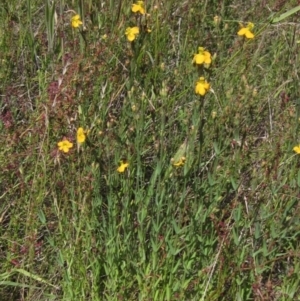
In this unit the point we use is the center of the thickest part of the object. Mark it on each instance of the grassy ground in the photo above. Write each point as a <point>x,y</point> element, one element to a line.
<point>222,226</point>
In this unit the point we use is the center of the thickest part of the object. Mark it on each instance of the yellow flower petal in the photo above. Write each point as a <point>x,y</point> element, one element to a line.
<point>76,22</point>
<point>250,25</point>
<point>138,7</point>
<point>131,33</point>
<point>297,149</point>
<point>202,57</point>
<point>135,30</point>
<point>246,31</point>
<point>249,34</point>
<point>80,135</point>
<point>207,85</point>
<point>242,31</point>
<point>199,59</point>
<point>180,162</point>
<point>122,167</point>
<point>130,37</point>
<point>202,86</point>
<point>64,145</point>
<point>200,89</point>
<point>207,59</point>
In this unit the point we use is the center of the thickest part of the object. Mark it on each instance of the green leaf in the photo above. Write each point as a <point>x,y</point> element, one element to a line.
<point>235,237</point>
<point>41,216</point>
<point>286,14</point>
<point>26,274</point>
<point>257,232</point>
<point>10,283</point>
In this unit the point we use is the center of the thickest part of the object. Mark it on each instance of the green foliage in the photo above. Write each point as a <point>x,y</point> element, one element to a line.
<point>221,225</point>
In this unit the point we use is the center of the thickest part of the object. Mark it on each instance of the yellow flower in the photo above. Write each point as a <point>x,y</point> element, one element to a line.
<point>123,166</point>
<point>202,57</point>
<point>297,149</point>
<point>217,20</point>
<point>180,162</point>
<point>202,86</point>
<point>80,135</point>
<point>246,31</point>
<point>138,7</point>
<point>64,145</point>
<point>131,33</point>
<point>76,22</point>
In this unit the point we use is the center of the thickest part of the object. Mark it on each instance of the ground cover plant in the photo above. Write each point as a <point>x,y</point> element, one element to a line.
<point>149,150</point>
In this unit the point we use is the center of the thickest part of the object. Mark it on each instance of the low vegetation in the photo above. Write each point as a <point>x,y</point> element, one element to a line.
<point>150,150</point>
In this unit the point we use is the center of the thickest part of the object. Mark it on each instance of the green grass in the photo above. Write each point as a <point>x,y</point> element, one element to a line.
<point>225,226</point>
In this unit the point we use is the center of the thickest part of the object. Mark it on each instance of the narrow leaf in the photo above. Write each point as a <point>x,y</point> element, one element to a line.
<point>286,14</point>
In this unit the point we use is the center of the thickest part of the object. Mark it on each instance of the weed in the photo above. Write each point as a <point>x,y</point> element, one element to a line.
<point>150,151</point>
